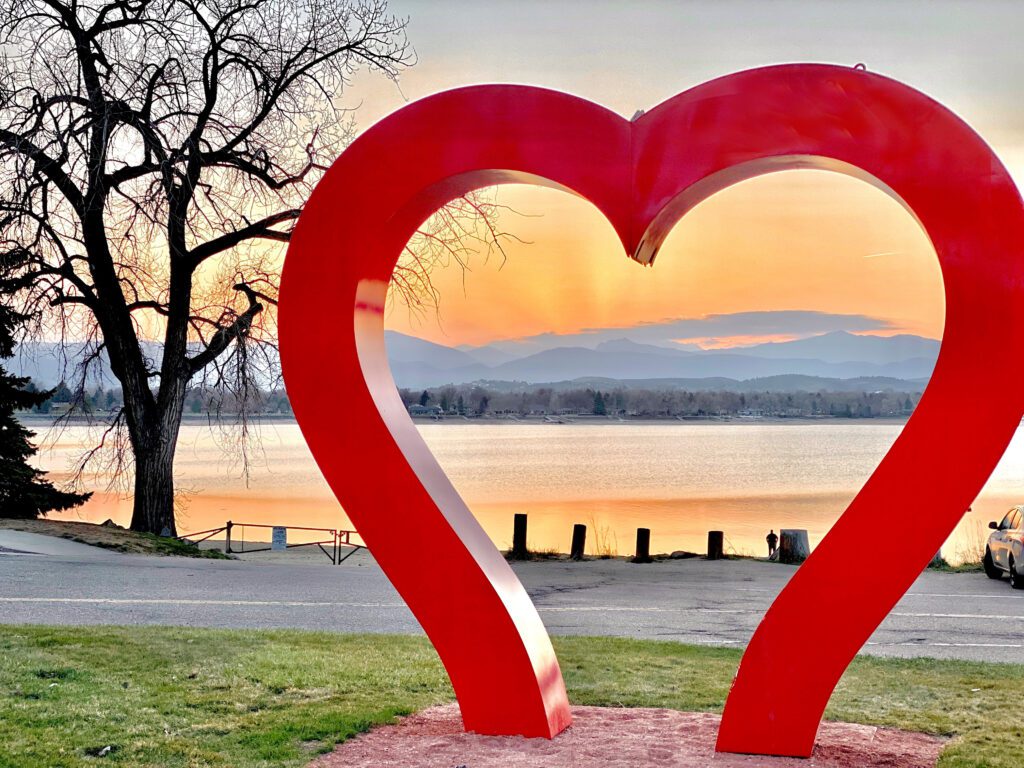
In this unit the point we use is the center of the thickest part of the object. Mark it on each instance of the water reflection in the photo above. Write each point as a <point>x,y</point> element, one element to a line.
<point>680,480</point>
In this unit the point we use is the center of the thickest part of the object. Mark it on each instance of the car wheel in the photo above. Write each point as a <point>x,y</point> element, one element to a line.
<point>990,567</point>
<point>1016,579</point>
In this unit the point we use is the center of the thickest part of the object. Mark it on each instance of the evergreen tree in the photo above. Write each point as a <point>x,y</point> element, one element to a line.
<point>61,394</point>
<point>24,493</point>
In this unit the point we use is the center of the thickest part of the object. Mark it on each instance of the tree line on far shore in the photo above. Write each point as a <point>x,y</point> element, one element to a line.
<point>199,401</point>
<point>474,400</point>
<point>477,400</point>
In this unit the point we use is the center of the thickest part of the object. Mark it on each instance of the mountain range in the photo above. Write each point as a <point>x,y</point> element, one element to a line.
<point>826,361</point>
<point>837,356</point>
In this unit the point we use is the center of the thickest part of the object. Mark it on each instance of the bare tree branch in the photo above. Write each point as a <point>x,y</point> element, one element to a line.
<point>226,334</point>
<point>257,230</point>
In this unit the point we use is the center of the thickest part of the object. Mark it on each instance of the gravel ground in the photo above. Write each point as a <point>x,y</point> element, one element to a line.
<point>617,738</point>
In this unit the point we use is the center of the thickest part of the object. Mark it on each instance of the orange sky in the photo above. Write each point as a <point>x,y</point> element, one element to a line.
<point>797,240</point>
<point>792,241</point>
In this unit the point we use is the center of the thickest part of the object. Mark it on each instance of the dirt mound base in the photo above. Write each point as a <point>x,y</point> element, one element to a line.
<point>616,738</point>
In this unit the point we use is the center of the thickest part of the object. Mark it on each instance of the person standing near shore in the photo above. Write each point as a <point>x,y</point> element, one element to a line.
<point>773,542</point>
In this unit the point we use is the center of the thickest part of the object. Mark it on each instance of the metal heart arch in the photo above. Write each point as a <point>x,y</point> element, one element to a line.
<point>644,176</point>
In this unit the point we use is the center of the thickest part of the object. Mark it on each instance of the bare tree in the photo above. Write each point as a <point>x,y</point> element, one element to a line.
<point>154,154</point>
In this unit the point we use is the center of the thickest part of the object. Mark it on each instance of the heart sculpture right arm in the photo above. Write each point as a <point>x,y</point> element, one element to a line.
<point>943,173</point>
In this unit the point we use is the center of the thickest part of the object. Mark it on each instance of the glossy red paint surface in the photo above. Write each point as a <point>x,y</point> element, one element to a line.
<point>644,176</point>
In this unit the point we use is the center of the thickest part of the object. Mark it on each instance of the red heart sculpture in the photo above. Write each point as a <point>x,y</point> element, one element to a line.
<point>644,176</point>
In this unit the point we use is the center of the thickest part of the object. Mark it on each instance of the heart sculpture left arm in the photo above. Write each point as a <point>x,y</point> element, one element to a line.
<point>644,176</point>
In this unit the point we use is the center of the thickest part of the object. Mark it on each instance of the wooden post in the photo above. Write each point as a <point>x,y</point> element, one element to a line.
<point>579,541</point>
<point>227,539</point>
<point>643,546</point>
<point>716,545</point>
<point>519,551</point>
<point>793,545</point>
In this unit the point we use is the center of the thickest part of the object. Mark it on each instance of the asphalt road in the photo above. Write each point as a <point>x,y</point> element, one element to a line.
<point>962,616</point>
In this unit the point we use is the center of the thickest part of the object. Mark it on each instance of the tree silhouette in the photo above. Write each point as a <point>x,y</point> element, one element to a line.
<point>154,154</point>
<point>24,493</point>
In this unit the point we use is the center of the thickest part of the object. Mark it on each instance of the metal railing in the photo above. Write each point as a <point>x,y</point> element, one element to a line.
<point>339,540</point>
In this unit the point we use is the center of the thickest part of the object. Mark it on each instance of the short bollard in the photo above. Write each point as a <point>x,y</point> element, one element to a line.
<point>579,541</point>
<point>643,546</point>
<point>716,545</point>
<point>794,547</point>
<point>519,551</point>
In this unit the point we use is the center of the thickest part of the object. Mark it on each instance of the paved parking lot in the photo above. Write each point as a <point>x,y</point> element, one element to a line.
<point>944,615</point>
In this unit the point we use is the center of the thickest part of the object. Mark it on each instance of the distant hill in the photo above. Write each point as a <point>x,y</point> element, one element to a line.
<point>487,355</point>
<point>576,362</point>
<point>842,347</point>
<point>409,349</point>
<point>834,356</point>
<point>787,383</point>
<point>49,363</point>
<point>818,362</point>
<point>632,347</point>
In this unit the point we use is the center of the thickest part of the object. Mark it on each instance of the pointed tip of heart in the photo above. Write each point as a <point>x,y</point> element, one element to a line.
<point>645,253</point>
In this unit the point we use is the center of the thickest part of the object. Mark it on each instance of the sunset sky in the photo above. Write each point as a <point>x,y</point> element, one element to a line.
<point>791,241</point>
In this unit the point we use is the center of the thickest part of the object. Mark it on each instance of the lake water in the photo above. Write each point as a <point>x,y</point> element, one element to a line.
<point>679,479</point>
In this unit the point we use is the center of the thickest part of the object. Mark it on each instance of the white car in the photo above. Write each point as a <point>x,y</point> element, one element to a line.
<point>1005,550</point>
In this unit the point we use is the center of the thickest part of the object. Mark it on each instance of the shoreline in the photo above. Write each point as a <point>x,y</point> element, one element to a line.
<point>646,421</point>
<point>583,420</point>
<point>121,540</point>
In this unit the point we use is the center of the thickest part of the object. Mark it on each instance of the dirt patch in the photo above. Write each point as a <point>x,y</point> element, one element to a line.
<point>617,738</point>
<point>110,537</point>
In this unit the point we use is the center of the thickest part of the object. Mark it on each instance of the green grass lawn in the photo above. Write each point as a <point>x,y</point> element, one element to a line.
<point>178,697</point>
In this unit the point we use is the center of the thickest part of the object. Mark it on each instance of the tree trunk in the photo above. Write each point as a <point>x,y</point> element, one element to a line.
<point>154,446</point>
<point>153,510</point>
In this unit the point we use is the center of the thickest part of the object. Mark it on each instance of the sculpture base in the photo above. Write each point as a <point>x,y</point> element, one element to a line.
<point>617,738</point>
